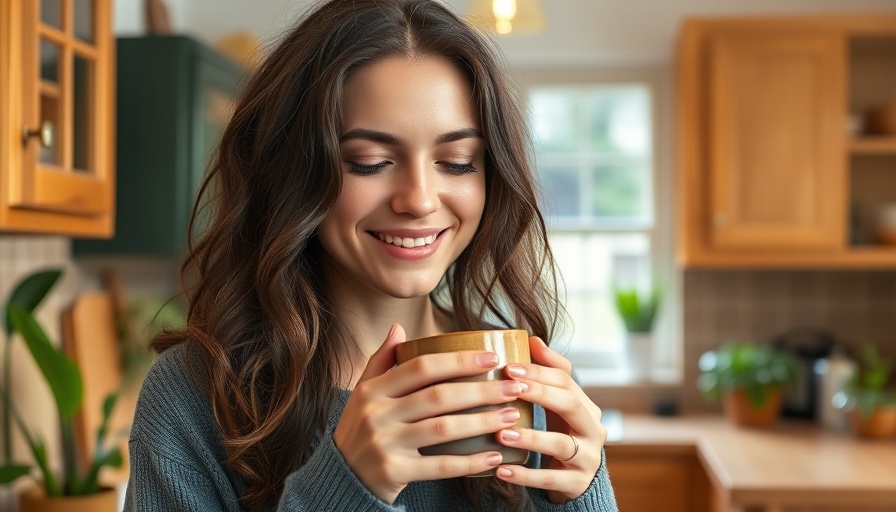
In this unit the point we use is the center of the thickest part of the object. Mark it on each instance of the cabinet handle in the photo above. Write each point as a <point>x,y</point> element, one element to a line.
<point>46,134</point>
<point>719,219</point>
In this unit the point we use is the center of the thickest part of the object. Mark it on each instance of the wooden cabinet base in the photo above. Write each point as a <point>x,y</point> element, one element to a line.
<point>661,477</point>
<point>35,500</point>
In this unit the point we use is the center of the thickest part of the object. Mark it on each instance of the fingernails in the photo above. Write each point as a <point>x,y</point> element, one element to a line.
<point>510,415</point>
<point>510,435</point>
<point>506,473</point>
<point>516,370</point>
<point>487,360</point>
<point>493,460</point>
<point>391,331</point>
<point>512,387</point>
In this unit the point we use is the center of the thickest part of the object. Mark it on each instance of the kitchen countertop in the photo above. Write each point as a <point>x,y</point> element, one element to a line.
<point>793,464</point>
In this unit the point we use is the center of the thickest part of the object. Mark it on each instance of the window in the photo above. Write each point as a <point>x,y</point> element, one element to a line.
<point>596,155</point>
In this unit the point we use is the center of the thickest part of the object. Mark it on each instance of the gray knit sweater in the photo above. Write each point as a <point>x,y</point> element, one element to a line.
<point>179,464</point>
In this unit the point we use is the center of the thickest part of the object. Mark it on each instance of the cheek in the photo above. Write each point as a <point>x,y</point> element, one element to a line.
<point>353,204</point>
<point>472,200</point>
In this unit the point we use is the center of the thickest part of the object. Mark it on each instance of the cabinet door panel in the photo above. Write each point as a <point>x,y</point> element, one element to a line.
<point>58,134</point>
<point>649,484</point>
<point>777,172</point>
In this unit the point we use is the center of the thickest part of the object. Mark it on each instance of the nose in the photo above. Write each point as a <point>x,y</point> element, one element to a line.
<point>416,190</point>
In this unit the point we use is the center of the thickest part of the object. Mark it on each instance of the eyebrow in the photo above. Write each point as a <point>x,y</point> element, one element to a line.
<point>386,138</point>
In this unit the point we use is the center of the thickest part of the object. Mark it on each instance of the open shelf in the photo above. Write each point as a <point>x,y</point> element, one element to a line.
<point>873,145</point>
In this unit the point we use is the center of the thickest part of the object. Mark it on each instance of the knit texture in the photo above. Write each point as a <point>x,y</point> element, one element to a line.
<point>179,464</point>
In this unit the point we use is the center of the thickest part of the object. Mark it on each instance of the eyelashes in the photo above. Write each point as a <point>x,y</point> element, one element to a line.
<point>371,169</point>
<point>365,170</point>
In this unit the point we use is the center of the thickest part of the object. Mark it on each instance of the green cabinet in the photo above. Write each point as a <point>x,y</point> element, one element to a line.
<point>174,98</point>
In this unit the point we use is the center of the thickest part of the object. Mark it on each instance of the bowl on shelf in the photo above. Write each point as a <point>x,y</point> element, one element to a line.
<point>885,228</point>
<point>882,119</point>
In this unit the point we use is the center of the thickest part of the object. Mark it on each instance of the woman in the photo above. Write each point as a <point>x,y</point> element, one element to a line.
<point>374,179</point>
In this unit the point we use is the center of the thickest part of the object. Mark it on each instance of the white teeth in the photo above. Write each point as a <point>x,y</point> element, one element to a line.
<point>407,242</point>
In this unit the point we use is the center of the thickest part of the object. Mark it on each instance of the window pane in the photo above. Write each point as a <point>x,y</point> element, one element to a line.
<point>49,60</point>
<point>591,264</point>
<point>619,120</point>
<point>619,191</point>
<point>84,13</point>
<point>560,191</point>
<point>51,13</point>
<point>83,99</point>
<point>557,119</point>
<point>599,135</point>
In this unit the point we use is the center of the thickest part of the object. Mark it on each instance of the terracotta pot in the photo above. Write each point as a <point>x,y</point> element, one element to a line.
<point>34,499</point>
<point>879,425</point>
<point>740,411</point>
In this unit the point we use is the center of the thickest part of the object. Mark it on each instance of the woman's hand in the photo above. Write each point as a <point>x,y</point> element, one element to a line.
<point>393,412</point>
<point>572,443</point>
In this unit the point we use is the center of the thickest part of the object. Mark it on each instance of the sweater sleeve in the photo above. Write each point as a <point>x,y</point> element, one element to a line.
<point>161,484</point>
<point>325,483</point>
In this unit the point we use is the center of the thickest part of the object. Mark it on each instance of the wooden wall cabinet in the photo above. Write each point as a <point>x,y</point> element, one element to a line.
<point>648,478</point>
<point>56,131</point>
<point>175,96</point>
<point>769,175</point>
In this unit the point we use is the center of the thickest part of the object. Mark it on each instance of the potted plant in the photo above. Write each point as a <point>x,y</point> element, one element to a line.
<point>748,379</point>
<point>638,312</point>
<point>76,488</point>
<point>872,407</point>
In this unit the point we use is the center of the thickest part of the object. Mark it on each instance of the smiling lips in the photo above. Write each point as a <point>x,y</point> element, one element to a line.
<point>407,242</point>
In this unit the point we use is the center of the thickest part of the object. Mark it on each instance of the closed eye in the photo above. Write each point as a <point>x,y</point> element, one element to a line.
<point>362,169</point>
<point>454,168</point>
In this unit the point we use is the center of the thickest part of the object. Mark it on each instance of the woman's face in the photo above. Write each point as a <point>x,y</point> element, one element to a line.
<point>413,169</point>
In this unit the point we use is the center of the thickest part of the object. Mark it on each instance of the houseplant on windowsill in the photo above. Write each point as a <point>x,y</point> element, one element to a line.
<point>75,489</point>
<point>748,379</point>
<point>872,407</point>
<point>638,312</point>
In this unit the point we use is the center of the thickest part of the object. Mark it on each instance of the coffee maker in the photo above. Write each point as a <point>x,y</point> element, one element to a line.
<point>807,346</point>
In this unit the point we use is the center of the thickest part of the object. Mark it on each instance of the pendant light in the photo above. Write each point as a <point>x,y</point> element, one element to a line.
<point>507,16</point>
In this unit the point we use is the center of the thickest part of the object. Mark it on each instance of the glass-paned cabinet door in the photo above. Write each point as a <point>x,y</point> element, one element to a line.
<point>67,132</point>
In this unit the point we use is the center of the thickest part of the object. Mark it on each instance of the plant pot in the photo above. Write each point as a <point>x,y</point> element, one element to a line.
<point>740,411</point>
<point>879,425</point>
<point>34,499</point>
<point>638,355</point>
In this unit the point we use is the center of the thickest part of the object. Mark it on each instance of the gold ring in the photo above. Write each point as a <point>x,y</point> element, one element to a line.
<point>575,451</point>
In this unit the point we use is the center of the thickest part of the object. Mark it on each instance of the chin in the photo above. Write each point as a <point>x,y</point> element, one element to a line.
<point>410,290</point>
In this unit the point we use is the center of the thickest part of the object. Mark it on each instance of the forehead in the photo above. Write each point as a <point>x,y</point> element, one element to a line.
<point>409,94</point>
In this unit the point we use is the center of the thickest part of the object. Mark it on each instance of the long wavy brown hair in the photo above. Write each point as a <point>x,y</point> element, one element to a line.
<point>261,319</point>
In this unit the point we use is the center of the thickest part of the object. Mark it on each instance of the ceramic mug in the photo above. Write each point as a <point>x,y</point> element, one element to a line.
<point>511,346</point>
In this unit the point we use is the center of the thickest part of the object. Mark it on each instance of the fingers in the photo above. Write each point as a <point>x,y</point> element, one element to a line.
<point>439,467</point>
<point>427,369</point>
<point>570,484</point>
<point>543,355</point>
<point>577,462</point>
<point>449,397</point>
<point>576,452</point>
<point>566,399</point>
<point>384,357</point>
<point>442,429</point>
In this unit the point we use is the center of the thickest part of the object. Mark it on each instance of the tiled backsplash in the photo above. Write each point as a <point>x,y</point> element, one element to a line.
<point>722,305</point>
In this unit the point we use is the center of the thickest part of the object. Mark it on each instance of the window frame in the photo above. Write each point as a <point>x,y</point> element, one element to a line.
<point>606,366</point>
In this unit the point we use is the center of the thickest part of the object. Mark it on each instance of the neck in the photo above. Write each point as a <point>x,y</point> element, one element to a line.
<point>367,315</point>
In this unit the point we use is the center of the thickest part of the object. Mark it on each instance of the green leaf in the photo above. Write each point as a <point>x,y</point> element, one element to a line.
<point>12,472</point>
<point>30,292</point>
<point>637,311</point>
<point>60,372</point>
